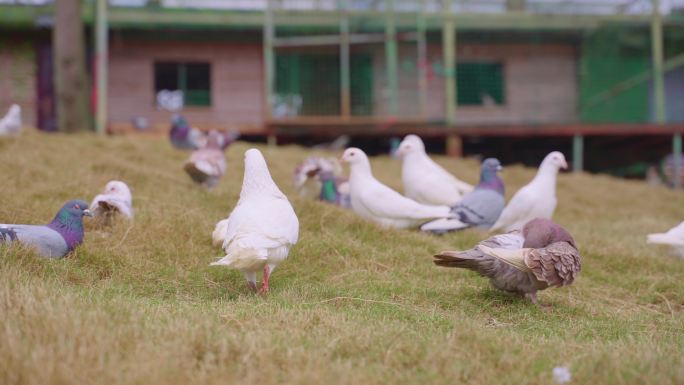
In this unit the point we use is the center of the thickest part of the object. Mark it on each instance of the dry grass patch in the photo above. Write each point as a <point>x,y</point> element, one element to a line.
<point>354,303</point>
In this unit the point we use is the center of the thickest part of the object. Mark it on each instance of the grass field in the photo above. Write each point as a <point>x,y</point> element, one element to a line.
<point>354,303</point>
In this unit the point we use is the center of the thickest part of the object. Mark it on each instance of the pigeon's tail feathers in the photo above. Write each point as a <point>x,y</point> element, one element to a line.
<point>459,259</point>
<point>7,235</point>
<point>444,225</point>
<point>665,239</point>
<point>246,259</point>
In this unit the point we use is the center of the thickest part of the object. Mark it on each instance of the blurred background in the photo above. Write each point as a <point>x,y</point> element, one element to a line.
<point>600,80</point>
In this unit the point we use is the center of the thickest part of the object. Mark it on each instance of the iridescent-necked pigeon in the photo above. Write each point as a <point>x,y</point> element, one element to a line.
<point>55,239</point>
<point>116,198</point>
<point>11,123</point>
<point>262,228</point>
<point>208,164</point>
<point>543,255</point>
<point>375,201</point>
<point>479,208</point>
<point>673,238</point>
<point>424,180</point>
<point>536,200</point>
<point>183,136</point>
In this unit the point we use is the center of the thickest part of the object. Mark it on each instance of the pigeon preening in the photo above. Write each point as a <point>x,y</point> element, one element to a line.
<point>424,180</point>
<point>537,199</point>
<point>313,178</point>
<point>57,238</point>
<point>208,164</point>
<point>262,228</point>
<point>116,199</point>
<point>543,255</point>
<point>375,201</point>
<point>185,137</point>
<point>11,123</point>
<point>479,208</point>
<point>673,238</point>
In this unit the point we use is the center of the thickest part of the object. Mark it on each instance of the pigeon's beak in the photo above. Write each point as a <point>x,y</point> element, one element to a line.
<point>87,213</point>
<point>564,165</point>
<point>499,168</point>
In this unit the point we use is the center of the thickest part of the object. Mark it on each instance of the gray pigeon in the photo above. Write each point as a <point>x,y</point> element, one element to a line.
<point>544,255</point>
<point>57,238</point>
<point>479,208</point>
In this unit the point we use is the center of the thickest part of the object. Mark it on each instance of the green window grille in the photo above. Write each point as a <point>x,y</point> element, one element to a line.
<point>479,84</point>
<point>308,84</point>
<point>194,79</point>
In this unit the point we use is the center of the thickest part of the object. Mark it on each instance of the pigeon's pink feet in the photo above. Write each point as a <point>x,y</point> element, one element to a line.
<point>264,286</point>
<point>252,285</point>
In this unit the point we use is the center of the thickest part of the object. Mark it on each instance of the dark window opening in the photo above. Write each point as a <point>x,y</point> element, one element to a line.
<point>480,84</point>
<point>194,79</point>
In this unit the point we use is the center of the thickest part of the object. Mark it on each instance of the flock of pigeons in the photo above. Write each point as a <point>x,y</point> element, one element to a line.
<point>529,254</point>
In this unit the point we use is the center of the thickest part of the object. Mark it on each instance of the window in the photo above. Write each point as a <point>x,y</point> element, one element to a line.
<point>479,84</point>
<point>194,79</point>
<point>308,84</point>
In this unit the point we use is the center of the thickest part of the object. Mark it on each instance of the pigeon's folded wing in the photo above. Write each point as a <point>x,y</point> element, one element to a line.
<point>384,202</point>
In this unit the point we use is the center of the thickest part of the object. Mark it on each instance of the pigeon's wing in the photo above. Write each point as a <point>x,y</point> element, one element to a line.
<point>46,241</point>
<point>482,207</point>
<point>437,185</point>
<point>103,203</point>
<point>266,223</point>
<point>218,236</point>
<point>480,258</point>
<point>383,202</point>
<point>557,264</point>
<point>522,202</point>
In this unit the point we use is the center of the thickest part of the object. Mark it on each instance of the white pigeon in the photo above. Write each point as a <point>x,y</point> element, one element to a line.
<point>424,180</point>
<point>11,123</point>
<point>116,197</point>
<point>379,203</point>
<point>673,237</point>
<point>537,199</point>
<point>262,227</point>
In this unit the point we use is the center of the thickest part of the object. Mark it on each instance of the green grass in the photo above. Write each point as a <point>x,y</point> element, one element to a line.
<point>353,304</point>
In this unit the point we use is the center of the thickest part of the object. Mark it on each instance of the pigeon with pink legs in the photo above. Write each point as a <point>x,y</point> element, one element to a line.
<point>258,234</point>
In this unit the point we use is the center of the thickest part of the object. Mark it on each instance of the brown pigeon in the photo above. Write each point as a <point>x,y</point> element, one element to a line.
<point>208,164</point>
<point>544,255</point>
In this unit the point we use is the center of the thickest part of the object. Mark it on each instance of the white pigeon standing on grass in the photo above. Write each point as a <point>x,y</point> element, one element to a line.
<point>379,203</point>
<point>11,123</point>
<point>535,200</point>
<point>424,180</point>
<point>116,198</point>
<point>261,229</point>
<point>673,238</point>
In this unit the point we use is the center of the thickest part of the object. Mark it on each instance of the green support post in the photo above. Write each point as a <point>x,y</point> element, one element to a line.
<point>345,70</point>
<point>577,153</point>
<point>658,58</point>
<point>269,61</point>
<point>421,43</point>
<point>391,57</point>
<point>449,53</point>
<point>101,65</point>
<point>677,156</point>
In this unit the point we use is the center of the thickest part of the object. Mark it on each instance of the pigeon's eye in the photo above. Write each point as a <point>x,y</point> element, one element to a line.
<point>76,206</point>
<point>352,154</point>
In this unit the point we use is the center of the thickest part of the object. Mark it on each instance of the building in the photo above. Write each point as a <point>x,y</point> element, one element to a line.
<point>455,69</point>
